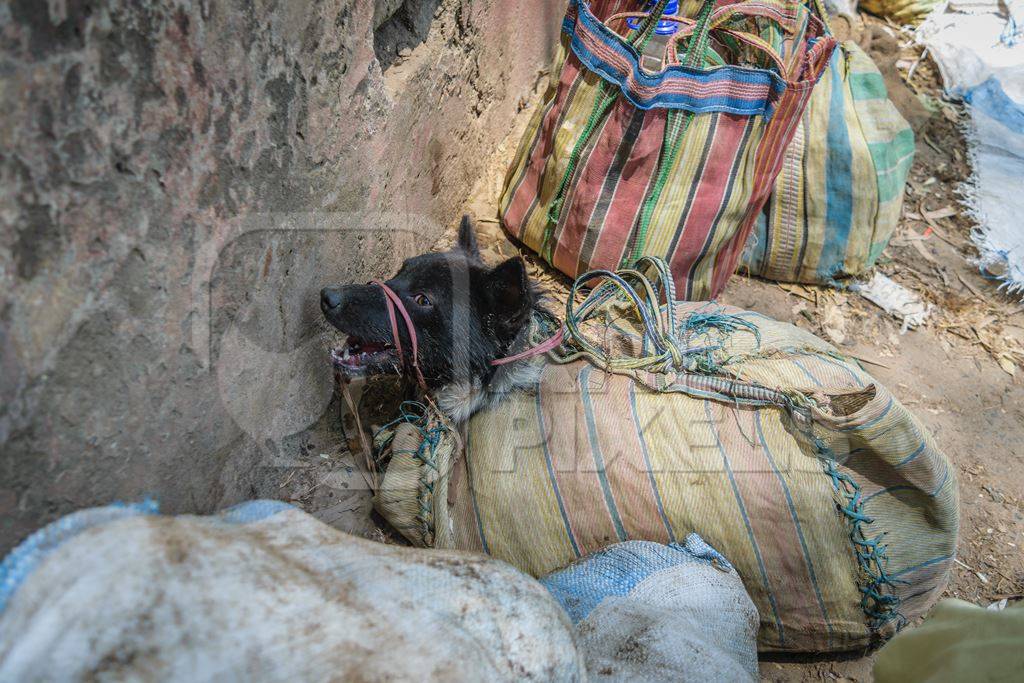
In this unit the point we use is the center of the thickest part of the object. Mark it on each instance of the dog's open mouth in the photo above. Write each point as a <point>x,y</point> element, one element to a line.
<point>363,357</point>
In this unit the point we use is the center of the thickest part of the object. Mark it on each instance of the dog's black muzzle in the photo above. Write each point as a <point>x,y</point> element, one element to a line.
<point>352,308</point>
<point>330,298</point>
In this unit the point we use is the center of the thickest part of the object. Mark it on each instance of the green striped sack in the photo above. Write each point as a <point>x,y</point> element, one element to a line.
<point>838,197</point>
<point>830,498</point>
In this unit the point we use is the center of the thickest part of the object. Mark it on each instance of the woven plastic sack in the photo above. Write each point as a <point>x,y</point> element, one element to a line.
<point>619,162</point>
<point>838,198</point>
<point>829,497</point>
<point>266,592</point>
<point>651,612</point>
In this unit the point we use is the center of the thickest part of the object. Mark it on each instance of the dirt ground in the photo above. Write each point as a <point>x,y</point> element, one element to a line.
<point>960,372</point>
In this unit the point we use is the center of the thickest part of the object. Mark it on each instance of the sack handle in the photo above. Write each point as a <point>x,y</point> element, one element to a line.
<point>702,35</point>
<point>659,322</point>
<point>722,15</point>
<point>743,36</point>
<point>654,16</point>
<point>818,7</point>
<point>687,29</point>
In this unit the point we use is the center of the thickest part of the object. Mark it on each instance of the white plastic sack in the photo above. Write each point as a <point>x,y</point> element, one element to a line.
<point>266,592</point>
<point>651,612</point>
<point>980,54</point>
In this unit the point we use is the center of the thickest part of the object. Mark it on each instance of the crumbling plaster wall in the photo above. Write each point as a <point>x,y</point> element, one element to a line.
<point>177,181</point>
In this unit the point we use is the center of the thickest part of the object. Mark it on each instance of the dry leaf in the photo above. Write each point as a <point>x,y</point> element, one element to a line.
<point>797,290</point>
<point>1008,366</point>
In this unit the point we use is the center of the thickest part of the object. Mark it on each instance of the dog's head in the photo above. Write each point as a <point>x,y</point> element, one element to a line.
<point>465,315</point>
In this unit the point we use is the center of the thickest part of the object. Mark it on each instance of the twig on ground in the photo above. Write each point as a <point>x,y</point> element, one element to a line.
<point>869,361</point>
<point>289,479</point>
<point>969,286</point>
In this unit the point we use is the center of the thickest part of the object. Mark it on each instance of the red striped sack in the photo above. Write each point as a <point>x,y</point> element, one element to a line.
<point>619,162</point>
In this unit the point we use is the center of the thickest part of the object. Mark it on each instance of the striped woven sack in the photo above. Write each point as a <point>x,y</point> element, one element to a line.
<point>829,497</point>
<point>839,195</point>
<point>619,162</point>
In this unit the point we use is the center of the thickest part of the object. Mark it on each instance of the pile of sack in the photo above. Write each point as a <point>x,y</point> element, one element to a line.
<point>266,592</point>
<point>263,591</point>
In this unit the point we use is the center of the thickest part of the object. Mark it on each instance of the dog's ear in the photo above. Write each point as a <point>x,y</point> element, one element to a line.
<point>510,298</point>
<point>467,237</point>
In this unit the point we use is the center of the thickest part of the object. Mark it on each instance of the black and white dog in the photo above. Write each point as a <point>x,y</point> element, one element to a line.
<point>465,315</point>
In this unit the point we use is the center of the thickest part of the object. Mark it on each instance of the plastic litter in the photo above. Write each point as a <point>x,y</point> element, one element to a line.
<point>896,300</point>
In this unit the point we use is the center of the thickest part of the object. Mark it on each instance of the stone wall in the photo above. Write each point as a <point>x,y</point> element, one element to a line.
<point>177,181</point>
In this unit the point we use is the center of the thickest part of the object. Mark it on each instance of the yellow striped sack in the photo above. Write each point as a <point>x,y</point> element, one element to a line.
<point>838,198</point>
<point>829,497</point>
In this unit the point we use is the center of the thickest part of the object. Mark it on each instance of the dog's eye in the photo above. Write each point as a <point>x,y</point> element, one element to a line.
<point>422,300</point>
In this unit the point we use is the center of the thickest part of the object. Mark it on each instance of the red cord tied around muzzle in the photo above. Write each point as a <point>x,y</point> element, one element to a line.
<point>393,302</point>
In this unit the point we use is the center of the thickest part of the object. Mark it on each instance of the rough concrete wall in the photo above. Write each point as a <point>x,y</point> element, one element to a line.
<point>177,181</point>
